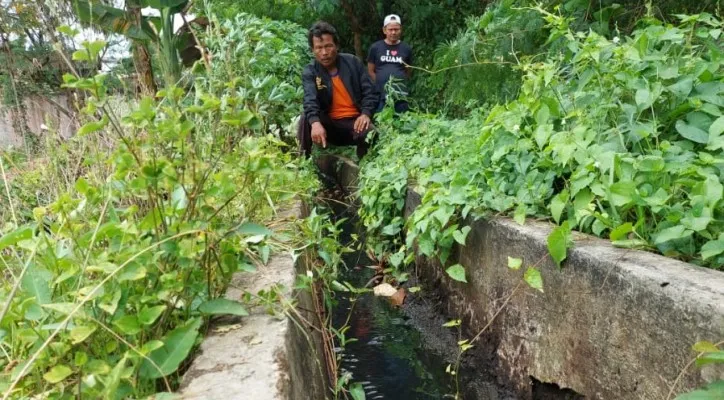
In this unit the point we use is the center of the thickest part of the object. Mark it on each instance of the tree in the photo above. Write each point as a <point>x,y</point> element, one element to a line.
<point>142,31</point>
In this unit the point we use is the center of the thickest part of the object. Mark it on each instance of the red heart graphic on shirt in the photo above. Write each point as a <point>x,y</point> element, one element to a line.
<point>394,52</point>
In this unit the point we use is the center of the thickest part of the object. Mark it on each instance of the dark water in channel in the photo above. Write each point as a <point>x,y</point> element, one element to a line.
<point>387,358</point>
<point>391,358</point>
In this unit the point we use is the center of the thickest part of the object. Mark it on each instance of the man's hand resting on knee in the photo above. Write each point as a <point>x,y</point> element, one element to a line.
<point>361,123</point>
<point>319,134</point>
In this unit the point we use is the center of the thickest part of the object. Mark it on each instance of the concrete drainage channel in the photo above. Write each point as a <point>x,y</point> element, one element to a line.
<point>612,324</point>
<point>260,356</point>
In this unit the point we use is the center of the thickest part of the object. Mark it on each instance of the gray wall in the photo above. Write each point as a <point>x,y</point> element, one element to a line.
<point>37,110</point>
<point>612,323</point>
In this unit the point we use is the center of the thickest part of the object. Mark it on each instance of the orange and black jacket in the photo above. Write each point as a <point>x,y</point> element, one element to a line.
<point>317,85</point>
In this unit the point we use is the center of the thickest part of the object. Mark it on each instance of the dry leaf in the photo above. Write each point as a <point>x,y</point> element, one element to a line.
<point>227,328</point>
<point>255,340</point>
<point>398,298</point>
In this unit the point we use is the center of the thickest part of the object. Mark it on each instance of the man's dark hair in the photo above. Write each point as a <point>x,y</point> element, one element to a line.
<point>321,28</point>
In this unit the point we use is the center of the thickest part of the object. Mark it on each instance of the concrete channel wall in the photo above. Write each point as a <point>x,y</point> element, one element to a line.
<point>260,356</point>
<point>612,323</point>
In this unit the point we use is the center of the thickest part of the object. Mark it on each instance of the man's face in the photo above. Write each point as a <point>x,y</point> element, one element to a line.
<point>325,50</point>
<point>393,32</point>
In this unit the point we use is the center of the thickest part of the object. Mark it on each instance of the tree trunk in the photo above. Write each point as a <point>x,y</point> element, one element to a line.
<point>141,56</point>
<point>355,25</point>
<point>358,44</point>
<point>144,69</point>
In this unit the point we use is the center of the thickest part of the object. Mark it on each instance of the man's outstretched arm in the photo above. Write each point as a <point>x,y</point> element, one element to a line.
<point>311,107</point>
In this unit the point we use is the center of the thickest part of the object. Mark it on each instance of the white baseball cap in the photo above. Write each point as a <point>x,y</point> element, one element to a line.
<point>392,18</point>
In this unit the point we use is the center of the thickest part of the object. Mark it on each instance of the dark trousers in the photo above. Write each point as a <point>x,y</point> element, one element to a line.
<point>401,106</point>
<point>340,132</point>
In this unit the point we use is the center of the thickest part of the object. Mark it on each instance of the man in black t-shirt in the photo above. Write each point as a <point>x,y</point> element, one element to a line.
<point>389,58</point>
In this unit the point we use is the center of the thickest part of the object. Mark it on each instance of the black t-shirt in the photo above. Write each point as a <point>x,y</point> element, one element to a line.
<point>388,60</point>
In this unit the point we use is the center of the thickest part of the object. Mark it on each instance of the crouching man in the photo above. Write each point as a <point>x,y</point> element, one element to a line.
<point>339,96</point>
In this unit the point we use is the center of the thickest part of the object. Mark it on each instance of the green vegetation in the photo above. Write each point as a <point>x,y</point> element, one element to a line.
<point>617,137</point>
<point>118,243</point>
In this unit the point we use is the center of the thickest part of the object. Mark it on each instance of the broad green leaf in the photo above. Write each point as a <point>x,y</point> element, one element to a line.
<point>80,55</point>
<point>265,252</point>
<point>397,258</point>
<point>713,391</point>
<point>64,308</point>
<point>114,379</point>
<point>533,278</point>
<point>691,132</point>
<point>704,347</point>
<point>699,119</point>
<point>457,272</point>
<point>81,333</point>
<point>336,285</point>
<point>148,315</point>
<point>672,233</point>
<point>715,357</point>
<point>57,373</point>
<point>250,228</point>
<point>683,87</point>
<point>95,47</point>
<point>36,283</point>
<point>356,391</point>
<point>519,214</point>
<point>443,215</point>
<point>452,323</point>
<point>630,243</point>
<point>97,367</point>
<point>131,272</point>
<point>80,359</point>
<point>128,324</point>
<point>177,346</point>
<point>621,231</point>
<point>151,346</point>
<point>160,4</point>
<point>558,204</point>
<point>93,126</point>
<point>514,263</point>
<point>242,118</point>
<point>558,243</point>
<point>717,127</point>
<point>651,164</point>
<point>644,98</point>
<point>223,306</point>
<point>461,235</point>
<point>714,190</point>
<point>67,30</point>
<point>111,306</point>
<point>622,193</point>
<point>255,239</point>
<point>25,232</point>
<point>246,267</point>
<point>712,248</point>
<point>697,223</point>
